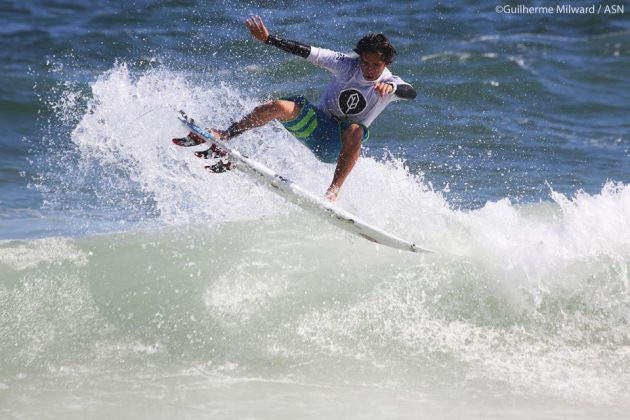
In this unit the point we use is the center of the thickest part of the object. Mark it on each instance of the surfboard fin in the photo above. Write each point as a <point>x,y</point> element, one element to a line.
<point>220,167</point>
<point>212,153</point>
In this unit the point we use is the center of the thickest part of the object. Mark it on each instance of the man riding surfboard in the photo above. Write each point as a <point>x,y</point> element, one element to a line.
<point>335,129</point>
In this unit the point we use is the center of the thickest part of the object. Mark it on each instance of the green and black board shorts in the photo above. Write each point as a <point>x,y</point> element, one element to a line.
<point>318,131</point>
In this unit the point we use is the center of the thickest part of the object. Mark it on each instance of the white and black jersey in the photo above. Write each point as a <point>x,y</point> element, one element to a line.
<point>349,95</point>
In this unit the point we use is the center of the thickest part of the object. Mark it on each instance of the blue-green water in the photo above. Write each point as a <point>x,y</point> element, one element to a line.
<point>135,285</point>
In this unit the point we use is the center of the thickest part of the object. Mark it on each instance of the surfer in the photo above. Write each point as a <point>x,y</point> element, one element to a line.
<point>335,129</point>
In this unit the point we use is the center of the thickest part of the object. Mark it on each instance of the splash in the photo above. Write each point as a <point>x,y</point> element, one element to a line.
<point>123,139</point>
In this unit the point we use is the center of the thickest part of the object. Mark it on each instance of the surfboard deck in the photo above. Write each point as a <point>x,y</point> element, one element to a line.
<point>303,198</point>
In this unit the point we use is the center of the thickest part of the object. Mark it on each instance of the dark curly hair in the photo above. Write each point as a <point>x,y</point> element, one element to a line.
<point>376,43</point>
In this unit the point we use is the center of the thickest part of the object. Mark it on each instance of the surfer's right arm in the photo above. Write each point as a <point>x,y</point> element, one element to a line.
<point>259,31</point>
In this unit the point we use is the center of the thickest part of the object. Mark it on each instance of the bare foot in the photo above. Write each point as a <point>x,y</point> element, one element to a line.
<point>332,193</point>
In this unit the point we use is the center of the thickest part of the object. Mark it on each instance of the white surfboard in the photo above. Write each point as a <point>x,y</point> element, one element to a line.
<point>304,199</point>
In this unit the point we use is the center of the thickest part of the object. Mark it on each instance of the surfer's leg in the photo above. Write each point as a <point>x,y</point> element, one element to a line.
<point>351,139</point>
<point>279,109</point>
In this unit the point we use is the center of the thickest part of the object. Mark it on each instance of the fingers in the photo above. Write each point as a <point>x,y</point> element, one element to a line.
<point>260,23</point>
<point>257,28</point>
<point>251,24</point>
<point>383,88</point>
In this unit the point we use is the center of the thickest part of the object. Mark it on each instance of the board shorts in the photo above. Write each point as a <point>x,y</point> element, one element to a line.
<point>318,131</point>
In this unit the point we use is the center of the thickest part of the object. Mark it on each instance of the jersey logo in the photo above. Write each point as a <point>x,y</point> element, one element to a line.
<point>351,102</point>
<point>339,57</point>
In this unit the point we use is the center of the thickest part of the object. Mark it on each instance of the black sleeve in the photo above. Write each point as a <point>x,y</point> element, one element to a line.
<point>405,92</point>
<point>293,47</point>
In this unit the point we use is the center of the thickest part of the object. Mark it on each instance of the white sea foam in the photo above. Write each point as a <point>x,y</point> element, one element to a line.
<point>20,255</point>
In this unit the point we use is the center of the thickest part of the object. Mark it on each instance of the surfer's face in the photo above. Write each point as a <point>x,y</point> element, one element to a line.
<point>372,65</point>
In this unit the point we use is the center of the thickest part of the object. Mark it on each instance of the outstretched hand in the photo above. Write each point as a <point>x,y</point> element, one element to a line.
<point>257,28</point>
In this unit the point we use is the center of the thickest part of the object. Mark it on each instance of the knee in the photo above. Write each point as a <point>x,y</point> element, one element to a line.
<point>281,110</point>
<point>276,106</point>
<point>271,108</point>
<point>352,134</point>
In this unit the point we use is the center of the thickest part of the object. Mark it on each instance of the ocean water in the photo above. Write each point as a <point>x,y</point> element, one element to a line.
<point>133,284</point>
